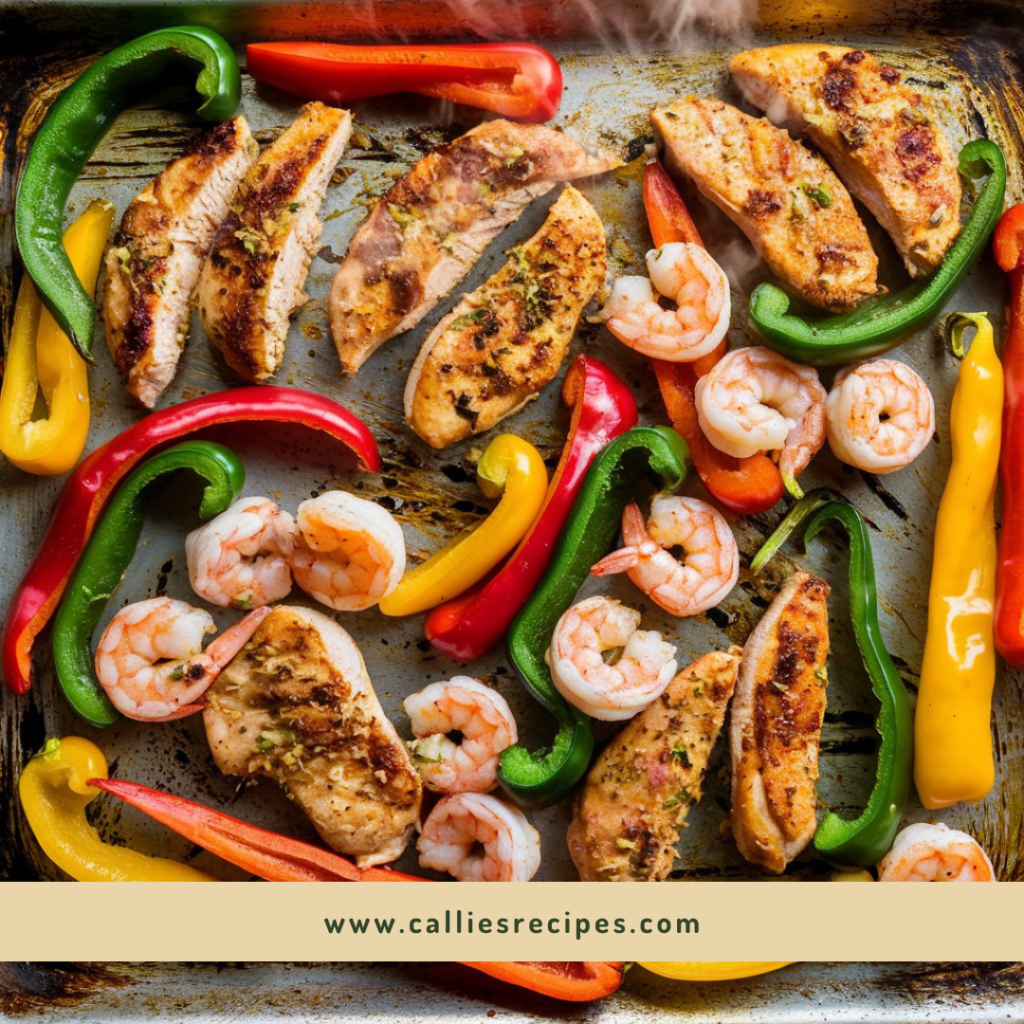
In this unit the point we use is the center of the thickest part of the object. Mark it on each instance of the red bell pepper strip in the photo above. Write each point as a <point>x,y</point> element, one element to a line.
<point>1008,245</point>
<point>746,485</point>
<point>517,80</point>
<point>602,408</point>
<point>575,981</point>
<point>90,485</point>
<point>267,855</point>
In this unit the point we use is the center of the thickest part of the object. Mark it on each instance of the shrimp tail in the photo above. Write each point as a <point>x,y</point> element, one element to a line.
<point>618,561</point>
<point>234,638</point>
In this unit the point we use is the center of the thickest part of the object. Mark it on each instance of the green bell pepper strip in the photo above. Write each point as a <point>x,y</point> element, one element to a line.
<point>74,127</point>
<point>879,325</point>
<point>862,842</point>
<point>539,778</point>
<point>108,554</point>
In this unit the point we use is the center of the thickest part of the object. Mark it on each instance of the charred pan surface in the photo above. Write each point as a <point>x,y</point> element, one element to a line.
<point>430,227</point>
<point>775,730</point>
<point>504,342</point>
<point>876,131</point>
<point>783,197</point>
<point>638,793</point>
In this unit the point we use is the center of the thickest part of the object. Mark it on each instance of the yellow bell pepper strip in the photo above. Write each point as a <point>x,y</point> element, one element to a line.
<point>852,876</point>
<point>952,727</point>
<point>54,794</point>
<point>714,970</point>
<point>40,357</point>
<point>510,469</point>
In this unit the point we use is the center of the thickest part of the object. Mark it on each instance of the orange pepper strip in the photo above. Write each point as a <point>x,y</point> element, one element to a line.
<point>573,981</point>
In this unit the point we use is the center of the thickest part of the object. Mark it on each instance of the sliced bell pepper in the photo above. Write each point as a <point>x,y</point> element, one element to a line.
<point>953,757</point>
<point>109,553</point>
<point>90,485</point>
<point>575,981</point>
<point>879,325</point>
<point>55,789</point>
<point>40,358</point>
<point>267,855</point>
<point>545,777</point>
<point>516,80</point>
<point>602,408</point>
<point>1008,246</point>
<point>864,841</point>
<point>510,469</point>
<point>714,970</point>
<point>747,486</point>
<point>74,127</point>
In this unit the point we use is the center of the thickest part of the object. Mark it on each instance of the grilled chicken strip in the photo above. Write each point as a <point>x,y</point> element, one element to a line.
<point>430,227</point>
<point>155,262</point>
<point>876,132</point>
<point>783,197</point>
<point>775,726</point>
<point>504,342</point>
<point>639,791</point>
<point>254,279</point>
<point>297,706</point>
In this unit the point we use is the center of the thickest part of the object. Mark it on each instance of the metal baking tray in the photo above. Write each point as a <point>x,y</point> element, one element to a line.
<point>261,993</point>
<point>619,59</point>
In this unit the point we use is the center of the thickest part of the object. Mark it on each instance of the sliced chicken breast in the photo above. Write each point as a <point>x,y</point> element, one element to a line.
<point>255,277</point>
<point>783,197</point>
<point>504,342</point>
<point>297,706</point>
<point>155,262</point>
<point>639,791</point>
<point>775,725</point>
<point>430,227</point>
<point>876,132</point>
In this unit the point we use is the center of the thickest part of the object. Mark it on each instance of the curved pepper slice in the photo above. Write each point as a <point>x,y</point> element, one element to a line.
<point>575,981</point>
<point>55,788</point>
<point>267,855</point>
<point>518,80</point>
<point>511,469</point>
<point>953,758</point>
<point>93,480</point>
<point>879,325</point>
<point>109,553</point>
<point>545,777</point>
<point>602,408</point>
<point>714,970</point>
<point>74,127</point>
<point>864,841</point>
<point>747,486</point>
<point>1008,245</point>
<point>40,358</point>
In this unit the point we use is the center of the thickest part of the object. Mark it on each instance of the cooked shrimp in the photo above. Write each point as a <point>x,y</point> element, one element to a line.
<point>610,691</point>
<point>479,838</point>
<point>151,662</point>
<point>755,400</point>
<point>880,416</point>
<point>711,559</point>
<point>240,559</point>
<point>686,274</point>
<point>483,718</point>
<point>935,853</point>
<point>349,552</point>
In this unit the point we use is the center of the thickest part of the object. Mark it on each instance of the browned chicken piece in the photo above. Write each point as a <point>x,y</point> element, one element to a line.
<point>876,132</point>
<point>255,277</point>
<point>503,343</point>
<point>639,791</point>
<point>775,725</point>
<point>297,706</point>
<point>155,262</point>
<point>783,197</point>
<point>430,227</point>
